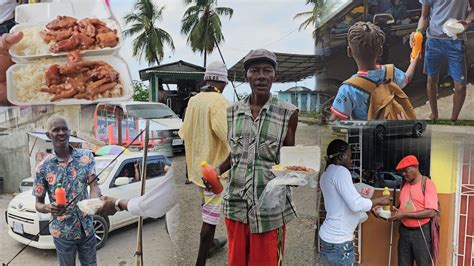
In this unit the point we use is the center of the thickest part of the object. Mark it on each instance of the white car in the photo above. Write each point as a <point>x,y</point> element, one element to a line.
<point>26,184</point>
<point>24,222</point>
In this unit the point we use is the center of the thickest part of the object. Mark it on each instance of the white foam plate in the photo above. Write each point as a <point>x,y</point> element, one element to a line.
<point>45,12</point>
<point>308,156</point>
<point>97,51</point>
<point>119,65</point>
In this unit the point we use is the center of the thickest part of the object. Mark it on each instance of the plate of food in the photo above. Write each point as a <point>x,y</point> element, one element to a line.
<point>90,36</point>
<point>71,80</point>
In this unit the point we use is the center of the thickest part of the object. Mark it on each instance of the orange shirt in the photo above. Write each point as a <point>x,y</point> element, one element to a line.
<point>413,200</point>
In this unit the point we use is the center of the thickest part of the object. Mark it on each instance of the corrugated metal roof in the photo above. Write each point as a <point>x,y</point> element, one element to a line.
<point>291,68</point>
<point>176,70</point>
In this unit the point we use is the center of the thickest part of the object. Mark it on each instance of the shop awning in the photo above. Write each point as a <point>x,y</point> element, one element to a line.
<point>291,67</point>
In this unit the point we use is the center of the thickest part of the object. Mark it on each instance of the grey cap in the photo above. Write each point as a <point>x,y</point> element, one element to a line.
<point>216,71</point>
<point>258,56</point>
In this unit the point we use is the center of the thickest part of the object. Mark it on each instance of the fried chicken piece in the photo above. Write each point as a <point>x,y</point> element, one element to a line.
<point>86,41</point>
<point>73,57</point>
<point>109,39</point>
<point>52,75</point>
<point>67,45</point>
<point>61,22</point>
<point>86,27</point>
<point>56,35</point>
<point>65,94</point>
<point>77,67</point>
<point>104,71</point>
<point>104,29</point>
<point>105,87</point>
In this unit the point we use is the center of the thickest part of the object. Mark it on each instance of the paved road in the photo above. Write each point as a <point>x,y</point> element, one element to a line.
<point>182,247</point>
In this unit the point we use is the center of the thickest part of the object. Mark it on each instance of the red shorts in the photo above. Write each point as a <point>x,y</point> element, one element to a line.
<point>246,248</point>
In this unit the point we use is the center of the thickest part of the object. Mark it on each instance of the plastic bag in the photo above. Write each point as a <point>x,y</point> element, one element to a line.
<point>383,213</point>
<point>453,28</point>
<point>364,190</point>
<point>90,206</point>
<point>274,195</point>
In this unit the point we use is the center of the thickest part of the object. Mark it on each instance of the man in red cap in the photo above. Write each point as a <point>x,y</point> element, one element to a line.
<point>418,204</point>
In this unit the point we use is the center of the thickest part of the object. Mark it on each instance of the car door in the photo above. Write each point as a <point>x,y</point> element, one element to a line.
<point>127,191</point>
<point>155,170</point>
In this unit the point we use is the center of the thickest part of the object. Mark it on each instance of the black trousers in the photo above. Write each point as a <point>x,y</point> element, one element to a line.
<point>412,246</point>
<point>6,26</point>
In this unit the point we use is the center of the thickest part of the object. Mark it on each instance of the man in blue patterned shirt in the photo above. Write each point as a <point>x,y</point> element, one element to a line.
<point>71,229</point>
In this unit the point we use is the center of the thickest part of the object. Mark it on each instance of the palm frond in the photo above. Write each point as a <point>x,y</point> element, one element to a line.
<point>226,11</point>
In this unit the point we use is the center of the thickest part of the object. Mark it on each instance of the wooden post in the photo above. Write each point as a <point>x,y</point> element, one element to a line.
<point>139,252</point>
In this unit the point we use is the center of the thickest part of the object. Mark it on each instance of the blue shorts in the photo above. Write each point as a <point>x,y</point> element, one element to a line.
<point>453,51</point>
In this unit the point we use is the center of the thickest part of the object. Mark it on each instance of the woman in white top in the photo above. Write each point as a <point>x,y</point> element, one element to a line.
<point>344,206</point>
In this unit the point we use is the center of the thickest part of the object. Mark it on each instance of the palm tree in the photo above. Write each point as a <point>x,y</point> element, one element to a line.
<point>202,23</point>
<point>150,40</point>
<point>314,16</point>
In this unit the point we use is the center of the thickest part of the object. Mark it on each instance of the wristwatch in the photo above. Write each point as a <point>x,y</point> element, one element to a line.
<point>117,206</point>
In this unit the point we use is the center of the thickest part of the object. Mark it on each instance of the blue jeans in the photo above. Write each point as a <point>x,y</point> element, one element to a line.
<point>336,254</point>
<point>452,50</point>
<point>66,251</point>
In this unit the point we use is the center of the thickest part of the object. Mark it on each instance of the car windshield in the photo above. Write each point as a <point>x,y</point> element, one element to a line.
<point>150,111</point>
<point>330,8</point>
<point>103,168</point>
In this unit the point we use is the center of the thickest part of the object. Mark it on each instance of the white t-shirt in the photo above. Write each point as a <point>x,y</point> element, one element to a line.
<point>344,205</point>
<point>7,8</point>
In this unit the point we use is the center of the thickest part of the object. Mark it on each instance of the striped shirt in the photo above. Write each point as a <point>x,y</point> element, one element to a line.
<point>255,147</point>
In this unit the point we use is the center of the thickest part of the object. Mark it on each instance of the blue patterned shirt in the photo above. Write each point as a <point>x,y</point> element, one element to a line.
<point>73,175</point>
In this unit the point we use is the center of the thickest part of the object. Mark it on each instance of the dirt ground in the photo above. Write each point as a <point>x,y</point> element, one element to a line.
<point>445,106</point>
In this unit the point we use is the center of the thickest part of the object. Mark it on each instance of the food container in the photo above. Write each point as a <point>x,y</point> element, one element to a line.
<point>90,206</point>
<point>307,156</point>
<point>31,31</point>
<point>15,94</point>
<point>38,15</point>
<point>275,193</point>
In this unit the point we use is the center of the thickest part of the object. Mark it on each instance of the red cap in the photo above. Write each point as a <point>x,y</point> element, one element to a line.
<point>407,161</point>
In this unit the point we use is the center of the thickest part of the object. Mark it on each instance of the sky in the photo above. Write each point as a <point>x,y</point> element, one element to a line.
<point>254,24</point>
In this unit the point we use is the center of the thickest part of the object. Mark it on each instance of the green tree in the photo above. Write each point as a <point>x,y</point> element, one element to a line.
<point>140,91</point>
<point>151,40</point>
<point>202,24</point>
<point>313,17</point>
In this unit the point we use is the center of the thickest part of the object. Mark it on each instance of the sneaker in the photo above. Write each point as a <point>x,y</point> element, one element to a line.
<point>217,245</point>
<point>187,182</point>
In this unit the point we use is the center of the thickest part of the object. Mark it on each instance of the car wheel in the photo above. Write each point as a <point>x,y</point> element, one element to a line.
<point>417,130</point>
<point>379,132</point>
<point>101,231</point>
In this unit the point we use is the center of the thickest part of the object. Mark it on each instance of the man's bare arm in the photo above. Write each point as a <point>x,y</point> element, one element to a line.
<point>291,134</point>
<point>225,165</point>
<point>424,18</point>
<point>470,17</point>
<point>49,208</point>
<point>41,206</point>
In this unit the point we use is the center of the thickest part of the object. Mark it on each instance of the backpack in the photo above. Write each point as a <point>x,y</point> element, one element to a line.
<point>387,100</point>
